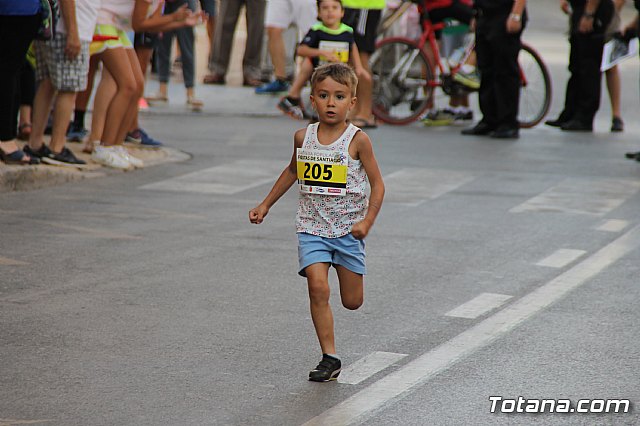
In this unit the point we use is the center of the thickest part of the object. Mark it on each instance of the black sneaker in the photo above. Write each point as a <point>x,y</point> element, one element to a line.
<point>633,155</point>
<point>44,151</point>
<point>617,125</point>
<point>64,158</point>
<point>292,107</point>
<point>328,369</point>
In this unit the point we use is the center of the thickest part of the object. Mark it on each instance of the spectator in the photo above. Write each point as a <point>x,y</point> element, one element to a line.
<point>163,57</point>
<point>363,16</point>
<point>631,31</point>
<point>122,81</point>
<point>327,41</point>
<point>209,7</point>
<point>280,15</point>
<point>19,23</point>
<point>612,75</point>
<point>498,30</point>
<point>589,20</point>
<point>62,65</point>
<point>223,37</point>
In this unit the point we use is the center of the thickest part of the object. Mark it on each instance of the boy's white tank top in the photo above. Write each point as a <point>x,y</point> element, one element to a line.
<point>333,216</point>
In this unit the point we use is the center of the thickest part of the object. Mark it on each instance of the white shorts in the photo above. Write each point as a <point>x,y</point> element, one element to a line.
<point>283,13</point>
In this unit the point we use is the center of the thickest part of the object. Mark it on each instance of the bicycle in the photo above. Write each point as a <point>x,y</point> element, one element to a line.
<point>404,79</point>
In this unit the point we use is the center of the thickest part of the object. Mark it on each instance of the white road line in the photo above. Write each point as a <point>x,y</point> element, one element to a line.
<point>413,186</point>
<point>479,305</point>
<point>561,258</point>
<point>11,262</point>
<point>439,359</point>
<point>613,225</point>
<point>581,196</point>
<point>368,366</point>
<point>229,178</point>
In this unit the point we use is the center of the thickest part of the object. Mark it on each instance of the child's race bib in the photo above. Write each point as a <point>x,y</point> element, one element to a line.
<point>322,172</point>
<point>339,48</point>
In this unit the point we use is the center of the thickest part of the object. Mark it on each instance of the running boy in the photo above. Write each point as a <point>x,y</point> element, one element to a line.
<point>327,41</point>
<point>332,161</point>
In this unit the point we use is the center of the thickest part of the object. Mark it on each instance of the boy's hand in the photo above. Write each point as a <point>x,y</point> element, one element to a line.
<point>331,56</point>
<point>360,230</point>
<point>257,214</point>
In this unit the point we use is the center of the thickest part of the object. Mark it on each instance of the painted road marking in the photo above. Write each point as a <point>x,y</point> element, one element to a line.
<point>444,356</point>
<point>613,225</point>
<point>368,366</point>
<point>561,258</point>
<point>479,305</point>
<point>11,262</point>
<point>413,186</point>
<point>581,196</point>
<point>97,233</point>
<point>229,178</point>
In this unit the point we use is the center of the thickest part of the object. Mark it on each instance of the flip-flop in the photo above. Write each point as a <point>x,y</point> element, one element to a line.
<point>364,124</point>
<point>18,157</point>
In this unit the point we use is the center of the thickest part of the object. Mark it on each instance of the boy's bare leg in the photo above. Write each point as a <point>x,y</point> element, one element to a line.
<point>306,69</point>
<point>319,292</point>
<point>351,288</point>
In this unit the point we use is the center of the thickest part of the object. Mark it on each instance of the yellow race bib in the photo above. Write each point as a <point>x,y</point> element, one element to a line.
<point>322,172</point>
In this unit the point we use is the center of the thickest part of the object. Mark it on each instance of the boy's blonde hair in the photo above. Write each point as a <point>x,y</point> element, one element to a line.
<point>339,72</point>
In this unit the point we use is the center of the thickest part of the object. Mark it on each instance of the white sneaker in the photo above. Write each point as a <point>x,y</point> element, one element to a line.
<point>134,161</point>
<point>109,156</point>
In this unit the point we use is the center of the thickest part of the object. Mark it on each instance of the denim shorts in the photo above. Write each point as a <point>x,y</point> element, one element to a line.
<point>345,251</point>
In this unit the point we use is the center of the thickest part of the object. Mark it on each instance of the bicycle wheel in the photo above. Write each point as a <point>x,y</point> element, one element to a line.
<point>535,89</point>
<point>402,81</point>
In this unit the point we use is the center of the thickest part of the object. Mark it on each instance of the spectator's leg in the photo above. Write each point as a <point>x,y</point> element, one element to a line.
<point>223,36</point>
<point>255,32</point>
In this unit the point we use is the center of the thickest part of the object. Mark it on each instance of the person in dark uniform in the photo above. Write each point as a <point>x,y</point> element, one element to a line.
<point>498,30</point>
<point>589,20</point>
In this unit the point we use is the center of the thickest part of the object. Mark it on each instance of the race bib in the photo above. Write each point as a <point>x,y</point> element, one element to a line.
<point>340,48</point>
<point>322,172</point>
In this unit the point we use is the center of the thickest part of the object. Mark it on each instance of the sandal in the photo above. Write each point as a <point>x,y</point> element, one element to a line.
<point>364,124</point>
<point>18,157</point>
<point>158,98</point>
<point>213,79</point>
<point>195,104</point>
<point>24,131</point>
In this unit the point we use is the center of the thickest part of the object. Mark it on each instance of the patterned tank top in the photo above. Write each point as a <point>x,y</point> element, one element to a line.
<point>333,216</point>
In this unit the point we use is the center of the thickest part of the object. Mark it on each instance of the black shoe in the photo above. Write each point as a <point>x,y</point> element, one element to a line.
<point>480,129</point>
<point>617,125</point>
<point>44,151</point>
<point>64,158</point>
<point>555,123</point>
<point>577,126</point>
<point>328,369</point>
<point>633,155</point>
<point>505,133</point>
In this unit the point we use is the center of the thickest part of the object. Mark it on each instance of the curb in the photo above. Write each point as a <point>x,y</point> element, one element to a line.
<point>27,178</point>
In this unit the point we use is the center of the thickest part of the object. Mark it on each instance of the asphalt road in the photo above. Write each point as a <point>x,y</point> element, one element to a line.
<point>496,268</point>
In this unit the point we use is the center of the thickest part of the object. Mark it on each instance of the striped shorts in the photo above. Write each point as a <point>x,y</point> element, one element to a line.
<point>67,75</point>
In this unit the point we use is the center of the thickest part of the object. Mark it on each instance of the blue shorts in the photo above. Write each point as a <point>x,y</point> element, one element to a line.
<point>346,251</point>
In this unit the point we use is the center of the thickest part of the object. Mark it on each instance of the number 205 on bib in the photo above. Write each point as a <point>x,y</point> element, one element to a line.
<point>322,172</point>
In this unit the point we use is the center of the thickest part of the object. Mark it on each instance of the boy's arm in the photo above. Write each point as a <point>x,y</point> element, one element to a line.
<point>312,52</point>
<point>68,10</point>
<point>157,22</point>
<point>370,164</point>
<point>287,178</point>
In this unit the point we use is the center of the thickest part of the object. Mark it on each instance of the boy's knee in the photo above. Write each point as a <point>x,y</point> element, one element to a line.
<point>352,305</point>
<point>319,291</point>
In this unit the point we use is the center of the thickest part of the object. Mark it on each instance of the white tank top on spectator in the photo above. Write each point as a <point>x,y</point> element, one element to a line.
<point>118,13</point>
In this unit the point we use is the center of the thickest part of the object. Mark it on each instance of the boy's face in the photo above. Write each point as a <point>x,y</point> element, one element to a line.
<point>332,101</point>
<point>330,13</point>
